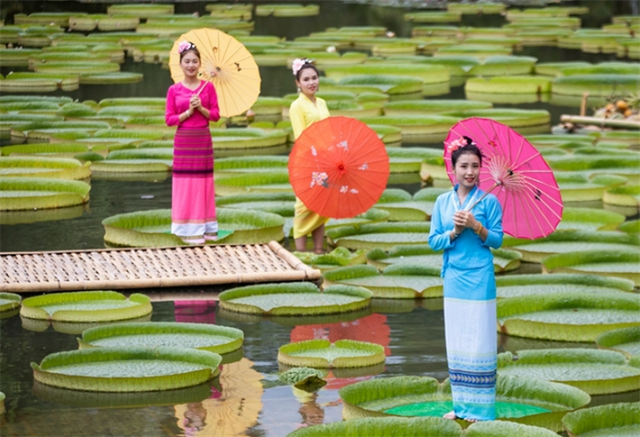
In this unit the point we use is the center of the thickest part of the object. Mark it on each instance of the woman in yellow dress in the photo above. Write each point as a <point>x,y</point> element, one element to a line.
<point>304,111</point>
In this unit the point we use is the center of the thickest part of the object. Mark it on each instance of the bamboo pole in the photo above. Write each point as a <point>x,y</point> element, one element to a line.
<point>602,122</point>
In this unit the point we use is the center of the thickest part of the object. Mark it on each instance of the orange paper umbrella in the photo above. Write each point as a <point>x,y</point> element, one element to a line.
<point>338,167</point>
<point>226,63</point>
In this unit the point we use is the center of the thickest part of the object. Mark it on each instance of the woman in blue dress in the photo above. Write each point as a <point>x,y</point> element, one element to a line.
<point>466,230</point>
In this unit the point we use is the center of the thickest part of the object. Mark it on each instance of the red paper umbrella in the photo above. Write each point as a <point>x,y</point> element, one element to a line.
<point>516,173</point>
<point>338,167</point>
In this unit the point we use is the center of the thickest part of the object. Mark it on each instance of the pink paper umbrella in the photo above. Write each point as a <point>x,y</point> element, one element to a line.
<point>517,175</point>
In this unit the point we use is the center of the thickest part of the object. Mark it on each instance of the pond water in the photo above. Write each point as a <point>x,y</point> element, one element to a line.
<point>248,400</point>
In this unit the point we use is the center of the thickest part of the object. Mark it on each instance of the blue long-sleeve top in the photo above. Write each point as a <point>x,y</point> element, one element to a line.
<point>467,251</point>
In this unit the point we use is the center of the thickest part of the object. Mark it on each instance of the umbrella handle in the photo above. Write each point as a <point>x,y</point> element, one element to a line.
<point>482,197</point>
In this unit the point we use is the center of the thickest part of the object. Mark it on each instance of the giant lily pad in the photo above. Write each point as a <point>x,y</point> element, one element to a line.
<point>623,196</point>
<point>428,73</point>
<point>571,243</point>
<point>625,340</point>
<point>29,193</point>
<point>402,207</point>
<point>390,84</point>
<point>400,281</point>
<point>321,353</point>
<point>294,299</point>
<point>420,427</point>
<point>275,181</point>
<point>339,257</point>
<point>595,84</point>
<point>213,338</point>
<point>622,419</point>
<point>379,235</point>
<point>412,107</point>
<point>503,259</point>
<point>146,369</point>
<point>590,219</point>
<point>151,228</point>
<point>538,285</point>
<point>575,187</point>
<point>568,316</point>
<point>86,306</point>
<point>95,399</point>
<point>622,263</point>
<point>9,304</point>
<point>380,397</point>
<point>592,370</point>
<point>43,167</point>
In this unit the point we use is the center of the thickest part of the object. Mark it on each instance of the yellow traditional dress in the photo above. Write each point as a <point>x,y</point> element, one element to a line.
<point>303,113</point>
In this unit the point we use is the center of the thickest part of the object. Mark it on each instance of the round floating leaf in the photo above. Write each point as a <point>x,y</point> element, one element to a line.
<point>571,243</point>
<point>625,340</point>
<point>568,316</point>
<point>28,193</point>
<point>86,306</point>
<point>428,73</point>
<point>596,84</point>
<point>43,167</point>
<point>594,371</point>
<point>503,259</point>
<point>294,299</point>
<point>384,427</point>
<point>146,369</point>
<point>9,301</point>
<point>374,398</point>
<point>213,338</point>
<point>534,284</point>
<point>321,353</point>
<point>339,257</point>
<point>274,181</point>
<point>411,107</point>
<point>151,228</point>
<point>511,84</point>
<point>590,219</point>
<point>401,281</point>
<point>622,419</point>
<point>87,399</point>
<point>390,84</point>
<point>623,196</point>
<point>621,263</point>
<point>379,235</point>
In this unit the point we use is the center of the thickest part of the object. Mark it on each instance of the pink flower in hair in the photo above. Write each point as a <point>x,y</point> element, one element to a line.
<point>184,45</point>
<point>297,65</point>
<point>456,144</point>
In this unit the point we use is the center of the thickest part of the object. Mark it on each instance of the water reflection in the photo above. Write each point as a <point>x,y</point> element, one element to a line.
<point>227,412</point>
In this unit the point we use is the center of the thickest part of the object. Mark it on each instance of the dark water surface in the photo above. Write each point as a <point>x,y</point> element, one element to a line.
<point>248,400</point>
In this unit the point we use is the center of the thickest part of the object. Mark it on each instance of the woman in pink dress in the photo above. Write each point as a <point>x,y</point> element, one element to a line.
<point>191,104</point>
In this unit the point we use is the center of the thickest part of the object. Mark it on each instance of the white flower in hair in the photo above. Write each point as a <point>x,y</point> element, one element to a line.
<point>297,65</point>
<point>184,45</point>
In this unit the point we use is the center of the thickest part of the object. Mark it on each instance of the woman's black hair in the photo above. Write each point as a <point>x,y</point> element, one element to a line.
<point>191,48</point>
<point>307,64</point>
<point>470,147</point>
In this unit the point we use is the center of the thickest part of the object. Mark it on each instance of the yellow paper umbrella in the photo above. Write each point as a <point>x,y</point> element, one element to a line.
<point>227,64</point>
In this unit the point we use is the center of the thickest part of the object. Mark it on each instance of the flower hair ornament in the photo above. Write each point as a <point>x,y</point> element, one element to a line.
<point>460,142</point>
<point>184,46</point>
<point>298,64</point>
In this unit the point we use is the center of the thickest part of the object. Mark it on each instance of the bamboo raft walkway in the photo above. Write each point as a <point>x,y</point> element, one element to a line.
<point>113,269</point>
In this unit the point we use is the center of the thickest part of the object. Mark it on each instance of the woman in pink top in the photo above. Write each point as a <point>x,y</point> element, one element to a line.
<point>191,104</point>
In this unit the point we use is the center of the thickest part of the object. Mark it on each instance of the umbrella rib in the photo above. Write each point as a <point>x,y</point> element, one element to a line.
<point>542,214</point>
<point>532,187</point>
